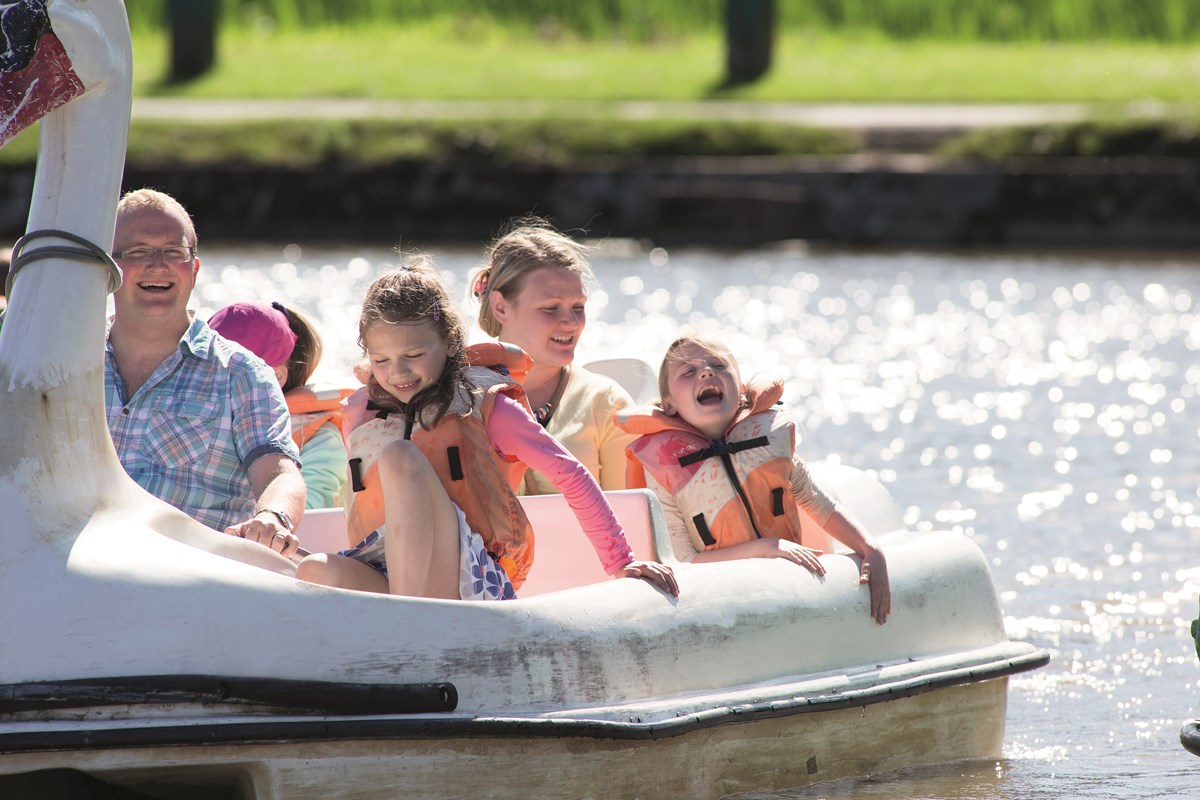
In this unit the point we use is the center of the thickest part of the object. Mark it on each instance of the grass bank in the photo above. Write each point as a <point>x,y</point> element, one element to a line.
<point>502,143</point>
<point>616,144</point>
<point>1174,139</point>
<point>433,61</point>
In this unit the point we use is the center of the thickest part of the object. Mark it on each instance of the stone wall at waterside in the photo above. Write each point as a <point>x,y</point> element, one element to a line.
<point>871,200</point>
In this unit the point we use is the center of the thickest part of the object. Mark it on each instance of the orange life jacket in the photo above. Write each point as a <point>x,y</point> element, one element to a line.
<point>311,408</point>
<point>478,478</point>
<point>728,491</point>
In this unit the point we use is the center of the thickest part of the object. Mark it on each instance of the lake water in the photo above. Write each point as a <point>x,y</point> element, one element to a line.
<point>1044,405</point>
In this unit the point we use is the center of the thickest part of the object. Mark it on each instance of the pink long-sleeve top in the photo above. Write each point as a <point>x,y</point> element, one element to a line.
<point>515,432</point>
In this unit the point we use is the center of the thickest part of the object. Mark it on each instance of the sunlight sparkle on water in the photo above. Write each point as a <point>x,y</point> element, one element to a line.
<point>1038,405</point>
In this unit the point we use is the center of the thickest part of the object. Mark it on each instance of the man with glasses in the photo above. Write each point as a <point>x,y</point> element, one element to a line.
<point>197,421</point>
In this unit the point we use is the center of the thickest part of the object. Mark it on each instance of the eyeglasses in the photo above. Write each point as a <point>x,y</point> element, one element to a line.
<point>140,256</point>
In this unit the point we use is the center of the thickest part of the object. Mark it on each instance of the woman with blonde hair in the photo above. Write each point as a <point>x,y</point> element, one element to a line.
<point>532,293</point>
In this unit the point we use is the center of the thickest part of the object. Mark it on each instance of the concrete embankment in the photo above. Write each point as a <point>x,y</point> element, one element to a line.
<point>869,200</point>
<point>887,197</point>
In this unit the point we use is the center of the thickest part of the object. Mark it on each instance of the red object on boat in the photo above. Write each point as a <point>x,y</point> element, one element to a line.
<point>29,94</point>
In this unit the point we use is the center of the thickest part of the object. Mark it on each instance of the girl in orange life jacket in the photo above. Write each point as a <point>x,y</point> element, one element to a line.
<point>438,464</point>
<point>721,458</point>
<point>289,343</point>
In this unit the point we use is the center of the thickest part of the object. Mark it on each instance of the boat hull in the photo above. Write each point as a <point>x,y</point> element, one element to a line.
<point>948,724</point>
<point>759,676</point>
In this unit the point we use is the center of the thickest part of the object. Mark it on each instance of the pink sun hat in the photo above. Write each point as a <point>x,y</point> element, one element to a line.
<point>261,328</point>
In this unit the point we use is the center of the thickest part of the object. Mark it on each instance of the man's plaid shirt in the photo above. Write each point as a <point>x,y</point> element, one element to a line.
<point>192,431</point>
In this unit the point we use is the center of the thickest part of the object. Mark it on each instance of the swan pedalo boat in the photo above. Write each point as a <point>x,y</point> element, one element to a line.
<point>145,655</point>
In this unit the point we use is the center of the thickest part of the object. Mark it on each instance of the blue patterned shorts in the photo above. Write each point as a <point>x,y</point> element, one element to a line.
<point>479,576</point>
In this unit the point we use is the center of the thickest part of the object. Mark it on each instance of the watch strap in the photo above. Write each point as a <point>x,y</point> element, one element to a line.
<point>284,519</point>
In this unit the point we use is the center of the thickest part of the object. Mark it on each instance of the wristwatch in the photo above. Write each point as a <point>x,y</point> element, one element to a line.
<point>282,516</point>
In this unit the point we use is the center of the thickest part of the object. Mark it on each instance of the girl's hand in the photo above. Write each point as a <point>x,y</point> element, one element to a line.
<point>874,573</point>
<point>658,574</point>
<point>806,557</point>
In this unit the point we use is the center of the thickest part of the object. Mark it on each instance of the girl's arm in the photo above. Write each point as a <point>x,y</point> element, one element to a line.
<point>514,432</point>
<point>766,547</point>
<point>682,544</point>
<point>688,549</point>
<point>873,570</point>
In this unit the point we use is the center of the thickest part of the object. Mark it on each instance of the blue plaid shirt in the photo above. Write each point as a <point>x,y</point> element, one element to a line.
<point>192,431</point>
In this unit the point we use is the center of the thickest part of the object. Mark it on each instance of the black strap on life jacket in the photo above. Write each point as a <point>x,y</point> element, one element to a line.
<point>725,451</point>
<point>720,447</point>
<point>777,502</point>
<point>383,412</point>
<point>456,470</point>
<point>702,528</point>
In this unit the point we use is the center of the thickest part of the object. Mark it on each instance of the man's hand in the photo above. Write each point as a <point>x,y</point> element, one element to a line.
<point>265,529</point>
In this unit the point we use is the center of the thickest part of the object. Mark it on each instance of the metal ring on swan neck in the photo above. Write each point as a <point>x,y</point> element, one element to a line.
<point>89,252</point>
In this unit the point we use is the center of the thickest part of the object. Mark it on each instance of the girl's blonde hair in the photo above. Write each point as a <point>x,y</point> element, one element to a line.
<point>672,357</point>
<point>529,244</point>
<point>411,295</point>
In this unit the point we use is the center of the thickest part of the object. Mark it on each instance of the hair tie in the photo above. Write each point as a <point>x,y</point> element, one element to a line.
<point>437,314</point>
<point>479,289</point>
<point>278,306</point>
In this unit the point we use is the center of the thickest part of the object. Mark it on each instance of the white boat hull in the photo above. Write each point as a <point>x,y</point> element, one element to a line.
<point>960,722</point>
<point>759,676</point>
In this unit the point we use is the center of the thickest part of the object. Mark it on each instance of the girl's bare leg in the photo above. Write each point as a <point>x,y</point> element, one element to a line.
<point>422,539</point>
<point>342,572</point>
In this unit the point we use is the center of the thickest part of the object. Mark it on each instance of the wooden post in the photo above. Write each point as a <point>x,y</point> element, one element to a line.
<point>749,36</point>
<point>193,37</point>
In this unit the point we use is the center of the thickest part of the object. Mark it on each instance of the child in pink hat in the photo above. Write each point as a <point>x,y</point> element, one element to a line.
<point>288,342</point>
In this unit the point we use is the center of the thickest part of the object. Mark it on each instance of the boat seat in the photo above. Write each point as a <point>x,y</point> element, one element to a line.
<point>861,495</point>
<point>564,557</point>
<point>633,374</point>
<point>323,530</point>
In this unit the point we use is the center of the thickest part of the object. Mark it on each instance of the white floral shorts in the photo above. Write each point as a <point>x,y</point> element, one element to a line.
<point>479,576</point>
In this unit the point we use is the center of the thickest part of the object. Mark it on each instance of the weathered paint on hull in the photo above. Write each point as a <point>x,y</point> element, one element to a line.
<point>956,723</point>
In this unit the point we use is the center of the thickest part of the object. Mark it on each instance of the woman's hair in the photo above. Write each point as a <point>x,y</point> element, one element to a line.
<point>306,353</point>
<point>530,243</point>
<point>411,295</point>
<point>672,357</point>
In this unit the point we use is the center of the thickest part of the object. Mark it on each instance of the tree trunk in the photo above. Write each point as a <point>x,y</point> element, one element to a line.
<point>193,37</point>
<point>749,35</point>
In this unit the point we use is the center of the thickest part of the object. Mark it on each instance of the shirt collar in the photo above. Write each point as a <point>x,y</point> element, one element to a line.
<point>198,338</point>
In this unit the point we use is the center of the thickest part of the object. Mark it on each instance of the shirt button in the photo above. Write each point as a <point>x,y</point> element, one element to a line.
<point>125,410</point>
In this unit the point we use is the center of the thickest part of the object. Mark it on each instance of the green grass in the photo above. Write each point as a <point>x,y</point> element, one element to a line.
<point>465,58</point>
<point>433,62</point>
<point>1083,140</point>
<point>502,143</point>
<point>643,20</point>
